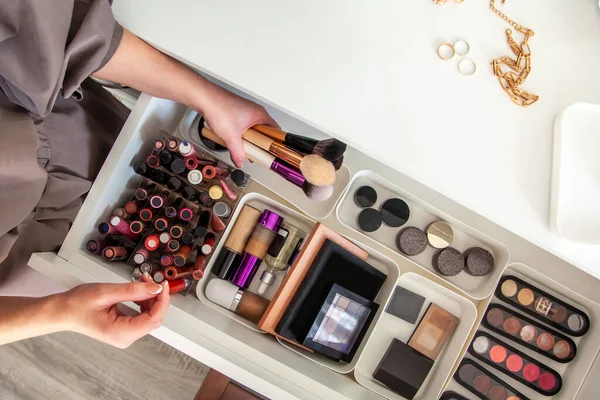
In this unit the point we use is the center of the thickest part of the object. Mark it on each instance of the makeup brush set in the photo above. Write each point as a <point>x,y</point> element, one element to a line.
<point>170,225</point>
<point>307,163</point>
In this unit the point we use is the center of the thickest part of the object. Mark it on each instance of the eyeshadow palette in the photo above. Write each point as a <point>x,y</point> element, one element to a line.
<point>450,395</point>
<point>515,364</point>
<point>433,331</point>
<point>484,384</point>
<point>543,306</point>
<point>405,304</point>
<point>529,333</point>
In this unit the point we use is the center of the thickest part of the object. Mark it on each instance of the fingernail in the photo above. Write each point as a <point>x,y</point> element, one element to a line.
<point>154,288</point>
<point>166,283</point>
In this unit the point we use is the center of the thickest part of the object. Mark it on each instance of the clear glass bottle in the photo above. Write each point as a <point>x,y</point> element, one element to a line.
<point>281,254</point>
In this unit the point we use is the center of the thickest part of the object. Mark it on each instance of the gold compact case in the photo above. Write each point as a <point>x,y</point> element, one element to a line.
<point>439,234</point>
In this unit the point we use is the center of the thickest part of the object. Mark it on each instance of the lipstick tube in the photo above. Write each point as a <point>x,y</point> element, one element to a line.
<point>158,200</point>
<point>172,246</point>
<point>158,145</point>
<point>176,231</point>
<point>114,253</point>
<point>186,149</point>
<point>191,163</point>
<point>140,256</point>
<point>186,214</point>
<point>217,224</point>
<point>211,172</point>
<point>95,246</point>
<point>151,243</point>
<point>172,144</point>
<point>146,214</point>
<point>230,193</point>
<point>255,250</point>
<point>178,272</point>
<point>153,161</point>
<point>161,224</point>
<point>188,193</point>
<point>141,194</point>
<point>121,213</point>
<point>166,260</point>
<point>156,175</point>
<point>122,227</point>
<point>158,276</point>
<point>180,258</point>
<point>136,227</point>
<point>208,245</point>
<point>140,167</point>
<point>106,229</point>
<point>130,207</point>
<point>147,268</point>
<point>194,177</point>
<point>179,285</point>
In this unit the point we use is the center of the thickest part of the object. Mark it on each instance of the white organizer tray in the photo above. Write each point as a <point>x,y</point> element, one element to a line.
<point>421,215</point>
<point>573,373</point>
<point>376,259</point>
<point>188,129</point>
<point>390,327</point>
<point>575,200</point>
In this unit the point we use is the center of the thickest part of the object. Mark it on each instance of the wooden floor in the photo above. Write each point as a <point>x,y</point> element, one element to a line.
<point>71,366</point>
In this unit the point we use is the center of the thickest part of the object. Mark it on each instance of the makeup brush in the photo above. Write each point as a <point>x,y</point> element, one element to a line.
<point>337,164</point>
<point>314,168</point>
<point>283,169</point>
<point>329,149</point>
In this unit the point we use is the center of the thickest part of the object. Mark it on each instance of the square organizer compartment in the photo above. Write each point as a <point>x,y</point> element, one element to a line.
<point>421,215</point>
<point>376,259</point>
<point>391,327</point>
<point>188,129</point>
<point>573,373</point>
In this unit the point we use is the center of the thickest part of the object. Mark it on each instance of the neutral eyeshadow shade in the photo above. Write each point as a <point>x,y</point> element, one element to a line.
<point>561,349</point>
<point>495,317</point>
<point>482,383</point>
<point>467,373</point>
<point>526,296</point>
<point>512,325</point>
<point>558,313</point>
<point>481,345</point>
<point>497,393</point>
<point>528,333</point>
<point>509,288</point>
<point>576,322</point>
<point>545,341</point>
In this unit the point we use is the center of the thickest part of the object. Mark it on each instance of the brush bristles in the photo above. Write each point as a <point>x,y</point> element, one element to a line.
<point>337,164</point>
<point>330,149</point>
<point>317,170</point>
<point>317,193</point>
<point>299,143</point>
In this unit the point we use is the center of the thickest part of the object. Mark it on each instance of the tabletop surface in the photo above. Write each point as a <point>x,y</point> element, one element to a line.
<point>368,72</point>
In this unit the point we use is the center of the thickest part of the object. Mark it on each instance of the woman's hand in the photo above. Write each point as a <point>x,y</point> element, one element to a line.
<point>91,309</point>
<point>229,115</point>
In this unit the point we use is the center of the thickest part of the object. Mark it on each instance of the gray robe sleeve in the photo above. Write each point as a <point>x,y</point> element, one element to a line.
<point>51,147</point>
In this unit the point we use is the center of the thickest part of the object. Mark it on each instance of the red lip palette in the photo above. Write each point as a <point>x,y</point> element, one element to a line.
<point>529,333</point>
<point>484,384</point>
<point>543,306</point>
<point>515,364</point>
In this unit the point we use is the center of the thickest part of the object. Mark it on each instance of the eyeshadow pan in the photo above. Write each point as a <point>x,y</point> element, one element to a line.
<point>509,288</point>
<point>498,354</point>
<point>512,325</point>
<point>558,313</point>
<point>576,322</point>
<point>481,345</point>
<point>405,304</point>
<point>395,212</point>
<point>528,333</point>
<point>479,262</point>
<point>365,196</point>
<point>514,363</point>
<point>482,383</point>
<point>545,341</point>
<point>525,296</point>
<point>449,261</point>
<point>467,373</point>
<point>562,349</point>
<point>531,372</point>
<point>411,241</point>
<point>369,220</point>
<point>497,393</point>
<point>495,317</point>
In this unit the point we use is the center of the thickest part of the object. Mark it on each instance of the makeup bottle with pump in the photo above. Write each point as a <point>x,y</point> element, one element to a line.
<point>280,254</point>
<point>255,250</point>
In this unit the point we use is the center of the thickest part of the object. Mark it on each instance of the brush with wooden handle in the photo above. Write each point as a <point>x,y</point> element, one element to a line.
<point>329,149</point>
<point>286,171</point>
<point>314,168</point>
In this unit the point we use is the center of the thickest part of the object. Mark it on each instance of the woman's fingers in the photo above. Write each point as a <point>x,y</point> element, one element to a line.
<point>112,293</point>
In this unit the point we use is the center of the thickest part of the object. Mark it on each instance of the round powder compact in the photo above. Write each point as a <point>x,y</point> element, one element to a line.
<point>545,341</point>
<point>562,349</point>
<point>439,234</point>
<point>512,325</point>
<point>528,333</point>
<point>479,262</point>
<point>411,241</point>
<point>369,220</point>
<point>509,288</point>
<point>525,296</point>
<point>394,212</point>
<point>495,317</point>
<point>481,344</point>
<point>365,196</point>
<point>449,262</point>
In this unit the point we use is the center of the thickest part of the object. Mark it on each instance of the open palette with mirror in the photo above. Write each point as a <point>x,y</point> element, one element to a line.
<point>525,350</point>
<point>435,241</point>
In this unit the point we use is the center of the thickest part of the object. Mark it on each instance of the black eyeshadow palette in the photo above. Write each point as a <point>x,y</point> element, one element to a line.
<point>515,364</point>
<point>483,383</point>
<point>543,306</point>
<point>450,395</point>
<point>529,333</point>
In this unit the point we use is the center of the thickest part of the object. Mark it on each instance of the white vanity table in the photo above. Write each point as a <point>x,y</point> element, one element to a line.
<point>368,73</point>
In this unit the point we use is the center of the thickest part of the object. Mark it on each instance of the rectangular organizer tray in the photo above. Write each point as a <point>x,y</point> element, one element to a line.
<point>421,215</point>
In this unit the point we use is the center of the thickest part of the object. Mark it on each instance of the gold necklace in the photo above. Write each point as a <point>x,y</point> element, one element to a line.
<point>512,73</point>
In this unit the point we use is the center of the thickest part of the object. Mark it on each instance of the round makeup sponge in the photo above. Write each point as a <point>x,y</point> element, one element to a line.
<point>411,241</point>
<point>479,262</point>
<point>449,261</point>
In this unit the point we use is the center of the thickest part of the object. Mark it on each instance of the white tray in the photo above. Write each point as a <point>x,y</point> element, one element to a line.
<point>376,259</point>
<point>575,200</point>
<point>421,215</point>
<point>188,129</point>
<point>390,327</point>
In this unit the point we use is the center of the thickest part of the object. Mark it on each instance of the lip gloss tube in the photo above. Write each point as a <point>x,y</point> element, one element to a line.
<point>153,161</point>
<point>191,162</point>
<point>95,246</point>
<point>228,192</point>
<point>172,246</point>
<point>166,260</point>
<point>186,214</point>
<point>158,144</point>
<point>176,231</point>
<point>146,214</point>
<point>186,149</point>
<point>255,250</point>
<point>140,256</point>
<point>161,224</point>
<point>179,285</point>
<point>141,194</point>
<point>123,227</point>
<point>208,245</point>
<point>164,238</point>
<point>106,229</point>
<point>158,276</point>
<point>114,253</point>
<point>194,177</point>
<point>180,258</point>
<point>217,225</point>
<point>211,172</point>
<point>172,272</point>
